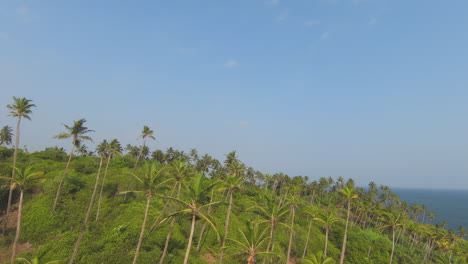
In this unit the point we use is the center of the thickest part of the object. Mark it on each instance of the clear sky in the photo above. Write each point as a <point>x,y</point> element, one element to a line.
<point>375,90</point>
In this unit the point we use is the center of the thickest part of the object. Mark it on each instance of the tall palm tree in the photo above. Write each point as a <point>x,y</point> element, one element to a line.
<point>232,184</point>
<point>194,204</point>
<point>100,149</point>
<point>293,201</point>
<point>145,133</point>
<point>24,180</point>
<point>327,221</point>
<point>310,212</point>
<point>349,194</point>
<point>109,150</point>
<point>151,182</point>
<point>20,109</point>
<point>179,169</point>
<point>274,214</point>
<point>77,133</point>
<point>392,221</point>
<point>6,135</point>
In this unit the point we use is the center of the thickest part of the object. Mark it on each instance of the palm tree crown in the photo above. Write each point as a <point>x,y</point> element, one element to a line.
<point>6,135</point>
<point>77,132</point>
<point>21,108</point>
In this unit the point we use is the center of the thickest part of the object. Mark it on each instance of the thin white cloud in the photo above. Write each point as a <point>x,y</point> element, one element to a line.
<point>22,10</point>
<point>231,64</point>
<point>4,36</point>
<point>281,18</point>
<point>324,36</point>
<point>272,2</point>
<point>243,123</point>
<point>311,23</point>
<point>373,21</point>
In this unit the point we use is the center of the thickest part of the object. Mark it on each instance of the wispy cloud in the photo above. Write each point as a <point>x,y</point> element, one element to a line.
<point>272,2</point>
<point>24,13</point>
<point>324,36</point>
<point>4,36</point>
<point>283,16</point>
<point>311,23</point>
<point>243,123</point>
<point>231,64</point>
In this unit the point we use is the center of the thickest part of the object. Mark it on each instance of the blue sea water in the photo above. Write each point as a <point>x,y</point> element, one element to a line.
<point>450,206</point>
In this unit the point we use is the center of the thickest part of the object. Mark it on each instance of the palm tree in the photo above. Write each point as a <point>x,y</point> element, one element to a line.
<point>293,201</point>
<point>145,133</point>
<point>196,202</point>
<point>6,135</point>
<point>310,211</point>
<point>232,184</point>
<point>392,221</point>
<point>77,133</point>
<point>179,170</point>
<point>318,258</point>
<point>152,182</point>
<point>20,109</point>
<point>84,226</point>
<point>252,242</point>
<point>24,180</point>
<point>274,214</point>
<point>349,194</point>
<point>327,221</point>
<point>109,150</point>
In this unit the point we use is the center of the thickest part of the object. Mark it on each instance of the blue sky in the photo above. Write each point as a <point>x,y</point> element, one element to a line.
<point>374,90</point>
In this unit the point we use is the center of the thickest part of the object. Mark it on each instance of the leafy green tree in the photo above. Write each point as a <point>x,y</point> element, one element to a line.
<point>6,135</point>
<point>21,108</point>
<point>327,221</point>
<point>310,212</point>
<point>194,204</point>
<point>349,194</point>
<point>24,180</point>
<point>151,182</point>
<point>77,133</point>
<point>232,184</point>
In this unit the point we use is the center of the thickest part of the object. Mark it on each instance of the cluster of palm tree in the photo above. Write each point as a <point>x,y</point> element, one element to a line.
<point>203,189</point>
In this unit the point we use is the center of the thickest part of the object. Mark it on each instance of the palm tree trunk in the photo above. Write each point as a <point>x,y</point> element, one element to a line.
<point>63,178</point>
<point>200,238</point>
<point>18,229</point>
<point>393,245</point>
<point>291,234</point>
<point>10,192</point>
<point>163,210</point>
<point>169,232</point>
<point>226,227</point>
<point>307,239</point>
<point>102,187</point>
<point>168,238</point>
<point>84,226</point>
<point>192,229</point>
<point>343,247</point>
<point>148,199</point>
<point>326,243</point>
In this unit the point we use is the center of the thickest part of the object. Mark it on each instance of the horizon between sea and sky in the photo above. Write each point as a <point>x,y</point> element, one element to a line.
<point>372,90</point>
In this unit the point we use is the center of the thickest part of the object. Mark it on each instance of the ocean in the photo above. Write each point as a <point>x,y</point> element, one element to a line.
<point>450,206</point>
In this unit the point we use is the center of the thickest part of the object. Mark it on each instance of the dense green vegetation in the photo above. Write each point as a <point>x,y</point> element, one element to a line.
<point>137,206</point>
